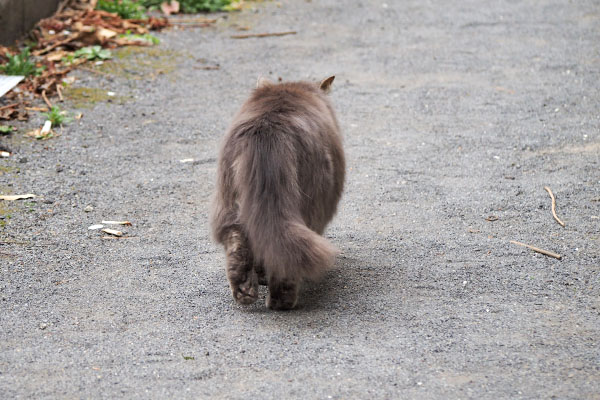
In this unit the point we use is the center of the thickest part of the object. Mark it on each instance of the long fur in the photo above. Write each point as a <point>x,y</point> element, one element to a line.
<point>280,177</point>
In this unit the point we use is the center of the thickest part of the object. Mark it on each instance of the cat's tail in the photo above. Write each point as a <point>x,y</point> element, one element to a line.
<point>270,211</point>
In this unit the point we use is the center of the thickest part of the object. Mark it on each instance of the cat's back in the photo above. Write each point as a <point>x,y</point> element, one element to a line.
<point>294,106</point>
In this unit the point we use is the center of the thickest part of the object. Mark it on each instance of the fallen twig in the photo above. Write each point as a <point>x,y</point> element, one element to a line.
<point>127,223</point>
<point>59,91</point>
<point>62,5</point>
<point>95,71</point>
<point>261,35</point>
<point>47,49</point>
<point>209,67</point>
<point>192,20</point>
<point>554,206</point>
<point>13,242</point>
<point>6,107</point>
<point>538,250</point>
<point>46,99</point>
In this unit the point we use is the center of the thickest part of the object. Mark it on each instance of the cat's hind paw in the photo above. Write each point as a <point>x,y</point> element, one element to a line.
<point>282,296</point>
<point>247,293</point>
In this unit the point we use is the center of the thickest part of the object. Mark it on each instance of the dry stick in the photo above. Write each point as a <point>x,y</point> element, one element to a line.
<point>46,99</point>
<point>538,250</point>
<point>95,71</point>
<point>192,20</point>
<point>193,25</point>
<point>55,45</point>
<point>59,91</point>
<point>9,106</point>
<point>62,6</point>
<point>209,67</point>
<point>260,35</point>
<point>554,206</point>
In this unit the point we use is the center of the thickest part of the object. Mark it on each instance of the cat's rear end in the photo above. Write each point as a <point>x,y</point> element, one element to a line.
<point>280,177</point>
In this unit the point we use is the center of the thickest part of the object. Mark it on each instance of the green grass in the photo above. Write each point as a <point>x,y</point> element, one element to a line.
<point>193,6</point>
<point>20,64</point>
<point>93,53</point>
<point>132,9</point>
<point>6,129</point>
<point>151,39</point>
<point>127,9</point>
<point>57,117</point>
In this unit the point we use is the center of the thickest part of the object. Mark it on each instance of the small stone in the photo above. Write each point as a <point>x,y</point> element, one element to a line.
<point>48,201</point>
<point>43,326</point>
<point>88,209</point>
<point>23,160</point>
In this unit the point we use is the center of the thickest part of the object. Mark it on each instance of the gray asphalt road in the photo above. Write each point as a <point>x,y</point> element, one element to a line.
<point>455,116</point>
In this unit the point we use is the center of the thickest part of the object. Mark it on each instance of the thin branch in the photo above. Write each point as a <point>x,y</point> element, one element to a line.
<point>95,71</point>
<point>59,91</point>
<point>9,106</point>
<point>554,206</point>
<point>46,99</point>
<point>538,250</point>
<point>59,43</point>
<point>62,6</point>
<point>261,35</point>
<point>192,20</point>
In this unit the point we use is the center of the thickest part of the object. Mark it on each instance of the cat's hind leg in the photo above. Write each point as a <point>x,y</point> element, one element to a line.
<point>283,294</point>
<point>240,267</point>
<point>260,273</point>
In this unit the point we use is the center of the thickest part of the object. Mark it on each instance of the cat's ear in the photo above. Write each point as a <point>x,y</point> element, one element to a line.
<point>262,82</point>
<point>325,84</point>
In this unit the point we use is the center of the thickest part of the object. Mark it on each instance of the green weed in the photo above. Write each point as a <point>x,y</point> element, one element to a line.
<point>127,9</point>
<point>144,38</point>
<point>93,53</point>
<point>193,6</point>
<point>57,117</point>
<point>20,64</point>
<point>6,129</point>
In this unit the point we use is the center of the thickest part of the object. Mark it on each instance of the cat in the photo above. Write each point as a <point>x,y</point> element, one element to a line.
<point>280,177</point>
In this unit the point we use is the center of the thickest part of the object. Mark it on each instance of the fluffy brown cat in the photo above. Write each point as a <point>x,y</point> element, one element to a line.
<point>280,176</point>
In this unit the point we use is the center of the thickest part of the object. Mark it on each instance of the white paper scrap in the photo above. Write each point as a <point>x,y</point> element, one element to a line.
<point>8,82</point>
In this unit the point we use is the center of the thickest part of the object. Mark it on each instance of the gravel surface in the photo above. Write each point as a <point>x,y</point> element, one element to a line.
<point>455,115</point>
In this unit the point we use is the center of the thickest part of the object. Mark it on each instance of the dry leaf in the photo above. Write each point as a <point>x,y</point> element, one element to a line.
<point>17,197</point>
<point>117,223</point>
<point>112,232</point>
<point>13,113</point>
<point>169,8</point>
<point>56,55</point>
<point>104,34</point>
<point>42,133</point>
